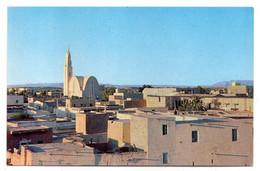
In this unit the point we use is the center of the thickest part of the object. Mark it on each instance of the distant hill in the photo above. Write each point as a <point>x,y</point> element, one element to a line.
<point>219,84</point>
<point>38,85</point>
<point>228,83</point>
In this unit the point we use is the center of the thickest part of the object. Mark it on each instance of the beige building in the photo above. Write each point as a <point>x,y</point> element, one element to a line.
<point>72,154</point>
<point>91,123</point>
<point>15,100</point>
<point>54,93</point>
<point>187,140</point>
<point>238,89</point>
<point>81,86</point>
<point>225,102</point>
<point>168,91</point>
<point>80,103</point>
<point>127,100</point>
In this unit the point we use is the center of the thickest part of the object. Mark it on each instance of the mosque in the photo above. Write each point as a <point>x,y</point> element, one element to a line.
<point>81,86</point>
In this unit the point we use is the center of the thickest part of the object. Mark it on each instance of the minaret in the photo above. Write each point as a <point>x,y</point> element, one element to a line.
<point>67,73</point>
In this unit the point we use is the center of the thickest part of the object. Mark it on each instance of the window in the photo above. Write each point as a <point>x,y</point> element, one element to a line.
<point>165,158</point>
<point>164,129</point>
<point>194,136</point>
<point>16,101</point>
<point>234,134</point>
<point>40,142</point>
<point>159,99</point>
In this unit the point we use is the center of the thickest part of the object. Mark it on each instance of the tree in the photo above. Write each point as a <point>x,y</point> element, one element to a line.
<point>12,91</point>
<point>21,116</point>
<point>43,93</point>
<point>74,97</point>
<point>201,90</point>
<point>106,92</point>
<point>186,106</point>
<point>197,103</point>
<point>144,86</point>
<point>194,105</point>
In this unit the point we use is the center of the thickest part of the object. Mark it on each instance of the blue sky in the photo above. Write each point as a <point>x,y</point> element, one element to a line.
<point>167,46</point>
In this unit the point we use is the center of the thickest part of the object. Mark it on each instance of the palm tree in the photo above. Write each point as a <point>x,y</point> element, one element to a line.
<point>186,106</point>
<point>194,105</point>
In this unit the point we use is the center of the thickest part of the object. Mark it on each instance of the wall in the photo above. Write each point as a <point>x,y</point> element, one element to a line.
<point>96,138</point>
<point>91,123</point>
<point>118,132</point>
<point>155,101</point>
<point>236,89</point>
<point>159,143</point>
<point>13,158</point>
<point>79,103</point>
<point>13,140</point>
<point>134,103</point>
<point>158,91</point>
<point>214,144</point>
<point>244,103</point>
<point>134,96</point>
<point>139,132</point>
<point>11,100</point>
<point>57,126</point>
<point>80,156</point>
<point>227,103</point>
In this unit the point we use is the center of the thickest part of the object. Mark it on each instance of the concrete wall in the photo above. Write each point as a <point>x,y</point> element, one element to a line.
<point>91,123</point>
<point>215,145</point>
<point>57,126</point>
<point>79,156</point>
<point>158,91</point>
<point>118,133</point>
<point>240,90</point>
<point>139,132</point>
<point>134,103</point>
<point>15,100</point>
<point>242,104</point>
<point>95,138</point>
<point>134,96</point>
<point>13,140</point>
<point>79,103</point>
<point>159,143</point>
<point>228,103</point>
<point>146,134</point>
<point>13,158</point>
<point>155,101</point>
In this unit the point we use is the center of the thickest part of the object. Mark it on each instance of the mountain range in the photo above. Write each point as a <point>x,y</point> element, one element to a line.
<point>218,84</point>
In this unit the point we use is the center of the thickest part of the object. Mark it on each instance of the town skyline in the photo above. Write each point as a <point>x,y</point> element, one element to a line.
<point>131,46</point>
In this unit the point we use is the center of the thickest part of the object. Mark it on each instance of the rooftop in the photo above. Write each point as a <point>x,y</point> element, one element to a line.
<point>20,130</point>
<point>60,147</point>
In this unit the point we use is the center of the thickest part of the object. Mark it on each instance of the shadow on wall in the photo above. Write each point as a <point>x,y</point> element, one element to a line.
<point>112,143</point>
<point>97,159</point>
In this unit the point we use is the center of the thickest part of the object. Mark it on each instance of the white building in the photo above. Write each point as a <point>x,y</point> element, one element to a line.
<point>81,86</point>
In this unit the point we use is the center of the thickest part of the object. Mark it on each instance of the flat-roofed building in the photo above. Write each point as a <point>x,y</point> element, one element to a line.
<point>239,90</point>
<point>80,103</point>
<point>91,122</point>
<point>72,154</point>
<point>15,100</point>
<point>127,100</point>
<point>17,136</point>
<point>118,133</point>
<point>168,91</point>
<point>191,140</point>
<point>210,101</point>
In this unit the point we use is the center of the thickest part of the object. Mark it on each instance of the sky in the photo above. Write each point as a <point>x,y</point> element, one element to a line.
<point>131,46</point>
